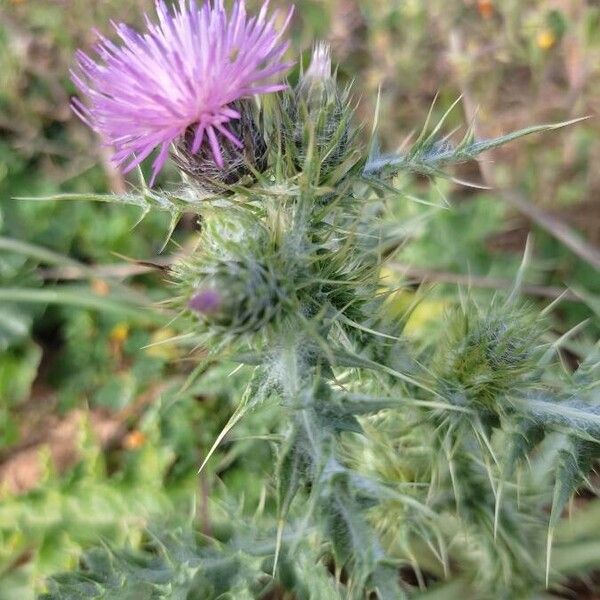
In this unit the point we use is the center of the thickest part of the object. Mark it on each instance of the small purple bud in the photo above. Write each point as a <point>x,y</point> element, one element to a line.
<point>207,301</point>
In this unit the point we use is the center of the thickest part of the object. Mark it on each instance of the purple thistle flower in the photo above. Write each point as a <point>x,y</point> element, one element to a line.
<point>184,72</point>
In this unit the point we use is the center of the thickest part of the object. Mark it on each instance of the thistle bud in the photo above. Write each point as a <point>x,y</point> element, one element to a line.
<point>238,162</point>
<point>486,355</point>
<point>241,297</point>
<point>319,115</point>
<point>317,85</point>
<point>237,280</point>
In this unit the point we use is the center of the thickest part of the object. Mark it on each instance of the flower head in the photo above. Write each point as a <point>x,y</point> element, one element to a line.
<point>184,72</point>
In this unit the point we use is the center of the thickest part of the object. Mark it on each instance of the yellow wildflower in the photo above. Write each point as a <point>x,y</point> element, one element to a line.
<point>546,39</point>
<point>119,333</point>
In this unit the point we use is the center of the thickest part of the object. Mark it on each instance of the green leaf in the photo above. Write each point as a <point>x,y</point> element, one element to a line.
<point>291,470</point>
<point>429,156</point>
<point>83,298</point>
<point>351,538</point>
<point>146,200</point>
<point>18,369</point>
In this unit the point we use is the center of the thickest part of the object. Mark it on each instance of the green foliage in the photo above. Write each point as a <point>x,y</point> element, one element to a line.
<point>64,515</point>
<point>294,269</point>
<point>169,568</point>
<point>346,451</point>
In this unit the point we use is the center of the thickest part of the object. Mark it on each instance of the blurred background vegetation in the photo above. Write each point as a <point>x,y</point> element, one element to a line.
<point>97,431</point>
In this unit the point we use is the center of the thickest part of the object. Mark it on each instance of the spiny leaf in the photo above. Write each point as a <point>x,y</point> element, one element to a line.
<point>350,537</point>
<point>174,568</point>
<point>573,463</point>
<point>577,416</point>
<point>292,468</point>
<point>385,581</point>
<point>429,156</point>
<point>165,201</point>
<point>522,438</point>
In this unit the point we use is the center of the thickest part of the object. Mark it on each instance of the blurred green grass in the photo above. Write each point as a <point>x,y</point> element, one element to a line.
<point>521,63</point>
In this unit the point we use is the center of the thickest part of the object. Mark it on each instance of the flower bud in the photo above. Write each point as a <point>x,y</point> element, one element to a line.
<point>240,296</point>
<point>319,115</point>
<point>237,281</point>
<point>317,85</point>
<point>484,356</point>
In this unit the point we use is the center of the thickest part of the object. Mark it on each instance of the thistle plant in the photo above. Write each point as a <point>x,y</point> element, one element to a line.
<point>441,470</point>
